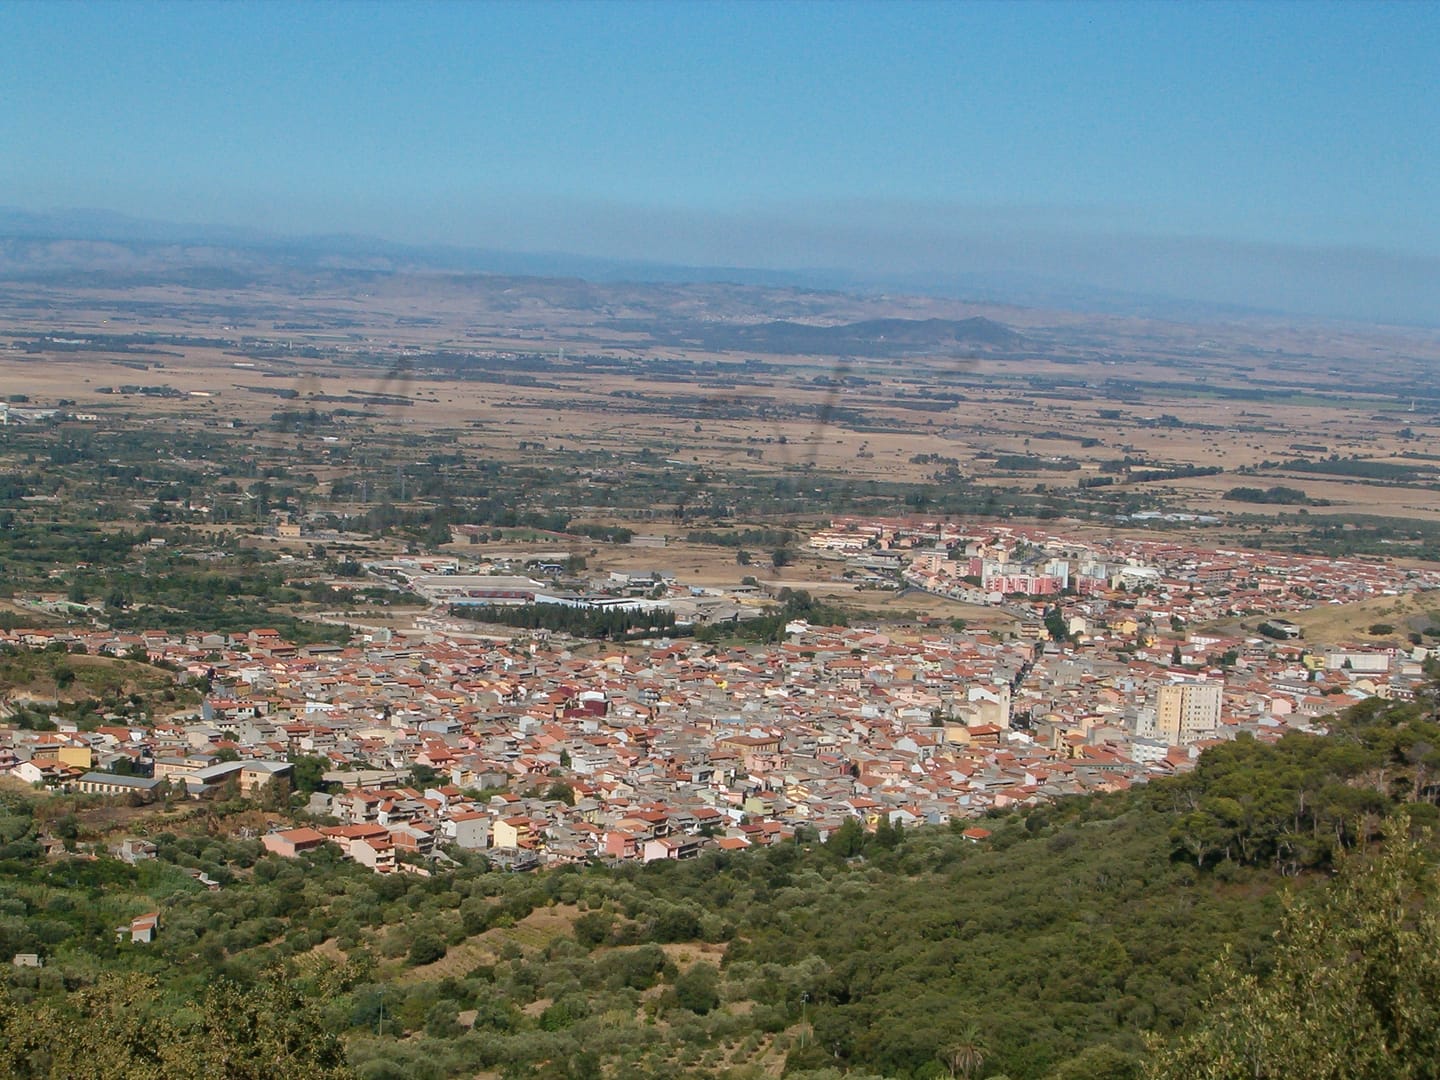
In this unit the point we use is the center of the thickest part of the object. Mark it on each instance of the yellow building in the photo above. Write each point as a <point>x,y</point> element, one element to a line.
<point>1187,711</point>
<point>78,757</point>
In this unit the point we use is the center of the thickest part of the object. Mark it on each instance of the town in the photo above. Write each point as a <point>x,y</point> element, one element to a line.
<point>538,749</point>
<point>719,542</point>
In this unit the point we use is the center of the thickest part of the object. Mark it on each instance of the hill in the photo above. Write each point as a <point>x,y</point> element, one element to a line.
<point>1063,945</point>
<point>37,686</point>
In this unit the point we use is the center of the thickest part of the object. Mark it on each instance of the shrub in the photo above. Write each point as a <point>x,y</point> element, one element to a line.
<point>426,948</point>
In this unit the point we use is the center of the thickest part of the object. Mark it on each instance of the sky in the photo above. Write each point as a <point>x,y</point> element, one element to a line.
<point>1281,155</point>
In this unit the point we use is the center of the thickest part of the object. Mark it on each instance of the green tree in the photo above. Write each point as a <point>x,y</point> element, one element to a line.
<point>698,989</point>
<point>560,791</point>
<point>886,834</point>
<point>1354,992</point>
<point>593,928</point>
<point>965,1056</point>
<point>1100,1062</point>
<point>308,771</point>
<point>438,532</point>
<point>269,1032</point>
<point>848,840</point>
<point>426,947</point>
<point>110,1030</point>
<point>121,1027</point>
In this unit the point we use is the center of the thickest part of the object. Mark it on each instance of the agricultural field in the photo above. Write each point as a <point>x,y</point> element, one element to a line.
<point>679,402</point>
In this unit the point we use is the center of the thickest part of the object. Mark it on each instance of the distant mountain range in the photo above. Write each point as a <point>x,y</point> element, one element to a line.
<point>47,241</point>
<point>61,243</point>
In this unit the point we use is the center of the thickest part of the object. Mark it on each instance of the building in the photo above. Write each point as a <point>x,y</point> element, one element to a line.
<point>291,842</point>
<point>468,829</point>
<point>96,783</point>
<point>141,929</point>
<point>134,850</point>
<point>250,777</point>
<point>673,847</point>
<point>1187,711</point>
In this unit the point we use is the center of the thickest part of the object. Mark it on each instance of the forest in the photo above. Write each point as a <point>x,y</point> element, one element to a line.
<point>608,623</point>
<point>1197,926</point>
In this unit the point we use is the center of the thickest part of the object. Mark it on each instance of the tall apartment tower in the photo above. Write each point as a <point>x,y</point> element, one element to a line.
<point>1187,711</point>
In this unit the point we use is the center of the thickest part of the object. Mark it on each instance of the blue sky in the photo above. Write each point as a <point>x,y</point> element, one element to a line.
<point>1224,151</point>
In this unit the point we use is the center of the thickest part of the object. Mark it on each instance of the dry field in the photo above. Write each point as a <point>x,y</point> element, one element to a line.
<point>577,409</point>
<point>1339,624</point>
<point>1107,381</point>
<point>586,412</point>
<point>1352,622</point>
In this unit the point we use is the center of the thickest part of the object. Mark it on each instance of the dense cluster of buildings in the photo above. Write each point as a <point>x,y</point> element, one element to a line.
<point>1154,579</point>
<point>537,754</point>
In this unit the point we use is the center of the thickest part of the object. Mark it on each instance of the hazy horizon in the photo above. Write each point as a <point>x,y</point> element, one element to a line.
<point>1258,156</point>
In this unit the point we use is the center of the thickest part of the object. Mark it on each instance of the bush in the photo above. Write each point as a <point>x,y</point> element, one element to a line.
<point>698,989</point>
<point>593,928</point>
<point>426,948</point>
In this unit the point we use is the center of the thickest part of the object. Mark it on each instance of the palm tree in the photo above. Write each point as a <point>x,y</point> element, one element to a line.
<point>965,1057</point>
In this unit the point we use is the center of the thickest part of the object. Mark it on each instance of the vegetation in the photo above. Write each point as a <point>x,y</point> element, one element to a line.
<point>614,624</point>
<point>1362,468</point>
<point>743,538</point>
<point>1353,990</point>
<point>1278,494</point>
<point>85,689</point>
<point>1030,463</point>
<point>794,604</point>
<point>123,1026</point>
